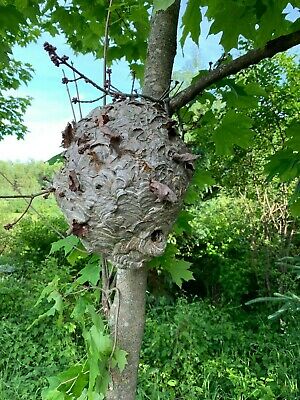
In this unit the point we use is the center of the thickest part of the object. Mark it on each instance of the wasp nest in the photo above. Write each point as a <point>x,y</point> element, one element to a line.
<point>124,178</point>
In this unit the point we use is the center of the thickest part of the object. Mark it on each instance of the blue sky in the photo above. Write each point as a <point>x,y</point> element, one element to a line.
<point>50,110</point>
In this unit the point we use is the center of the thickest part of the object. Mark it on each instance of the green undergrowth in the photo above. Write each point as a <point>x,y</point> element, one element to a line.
<point>192,350</point>
<point>197,351</point>
<point>29,354</point>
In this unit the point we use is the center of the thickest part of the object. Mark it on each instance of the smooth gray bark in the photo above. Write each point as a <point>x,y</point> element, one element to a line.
<point>128,317</point>
<point>131,284</point>
<point>161,51</point>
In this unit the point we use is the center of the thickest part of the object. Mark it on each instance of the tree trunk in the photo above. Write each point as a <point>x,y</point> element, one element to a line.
<point>127,315</point>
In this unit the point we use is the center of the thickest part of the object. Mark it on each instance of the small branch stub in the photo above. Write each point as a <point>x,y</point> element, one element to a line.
<point>121,184</point>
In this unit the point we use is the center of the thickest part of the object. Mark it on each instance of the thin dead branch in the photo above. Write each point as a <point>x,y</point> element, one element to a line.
<point>105,50</point>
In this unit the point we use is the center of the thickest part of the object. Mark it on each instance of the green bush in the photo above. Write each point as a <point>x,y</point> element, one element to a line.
<point>232,259</point>
<point>196,351</point>
<point>30,354</point>
<point>31,239</point>
<point>190,351</point>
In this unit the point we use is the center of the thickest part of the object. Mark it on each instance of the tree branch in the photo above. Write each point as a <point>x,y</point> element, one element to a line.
<point>282,43</point>
<point>31,197</point>
<point>27,196</point>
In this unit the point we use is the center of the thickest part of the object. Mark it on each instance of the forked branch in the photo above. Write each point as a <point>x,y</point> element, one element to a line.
<point>31,197</point>
<point>110,91</point>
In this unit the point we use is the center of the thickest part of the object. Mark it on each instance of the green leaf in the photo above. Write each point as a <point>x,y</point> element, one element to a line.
<point>58,301</point>
<point>69,384</point>
<point>285,163</point>
<point>96,318</point>
<point>295,207</point>
<point>90,273</point>
<point>21,4</point>
<point>102,342</point>
<point>77,253</point>
<point>58,158</point>
<point>52,395</point>
<point>179,271</point>
<point>138,70</point>
<point>68,244</point>
<point>202,178</point>
<point>256,20</point>
<point>223,14</point>
<point>96,396</point>
<point>47,290</point>
<point>80,308</point>
<point>191,21</point>
<point>293,134</point>
<point>233,130</point>
<point>83,395</point>
<point>241,96</point>
<point>93,361</point>
<point>182,223</point>
<point>162,4</point>
<point>119,359</point>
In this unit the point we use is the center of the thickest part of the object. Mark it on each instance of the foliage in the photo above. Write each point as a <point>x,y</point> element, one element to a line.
<point>205,352</point>
<point>191,350</point>
<point>12,108</point>
<point>30,240</point>
<point>178,269</point>
<point>28,355</point>
<point>256,17</point>
<point>228,118</point>
<point>128,33</point>
<point>129,25</point>
<point>233,251</point>
<point>290,301</point>
<point>88,379</point>
<point>15,28</point>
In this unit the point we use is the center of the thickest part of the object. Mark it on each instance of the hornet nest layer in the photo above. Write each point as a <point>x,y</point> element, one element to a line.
<point>124,178</point>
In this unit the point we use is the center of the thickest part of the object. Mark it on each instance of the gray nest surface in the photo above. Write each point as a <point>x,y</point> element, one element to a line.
<point>126,171</point>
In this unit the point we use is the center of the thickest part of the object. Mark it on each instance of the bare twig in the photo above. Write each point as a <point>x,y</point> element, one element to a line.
<point>116,321</point>
<point>133,81</point>
<point>65,80</point>
<point>12,224</point>
<point>26,196</point>
<point>33,209</point>
<point>31,198</point>
<point>105,287</point>
<point>88,101</point>
<point>177,85</point>
<point>57,61</point>
<point>105,49</point>
<point>77,92</point>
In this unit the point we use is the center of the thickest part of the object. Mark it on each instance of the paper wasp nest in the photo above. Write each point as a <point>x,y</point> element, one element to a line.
<point>125,174</point>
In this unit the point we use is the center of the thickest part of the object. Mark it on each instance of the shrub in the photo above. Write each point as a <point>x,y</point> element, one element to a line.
<point>232,259</point>
<point>196,351</point>
<point>29,354</point>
